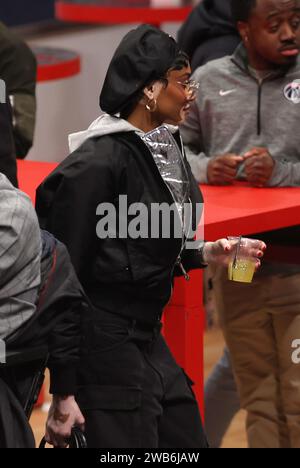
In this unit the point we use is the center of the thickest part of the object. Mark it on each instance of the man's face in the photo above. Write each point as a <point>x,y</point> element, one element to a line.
<point>273,32</point>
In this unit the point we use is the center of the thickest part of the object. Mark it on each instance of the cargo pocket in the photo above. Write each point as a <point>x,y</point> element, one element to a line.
<point>113,415</point>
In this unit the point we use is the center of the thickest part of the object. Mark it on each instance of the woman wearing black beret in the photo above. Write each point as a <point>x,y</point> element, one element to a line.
<point>131,392</point>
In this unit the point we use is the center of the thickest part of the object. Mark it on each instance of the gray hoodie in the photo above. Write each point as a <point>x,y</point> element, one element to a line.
<point>20,255</point>
<point>235,112</point>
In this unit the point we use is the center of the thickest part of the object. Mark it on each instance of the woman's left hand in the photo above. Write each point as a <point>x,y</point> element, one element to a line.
<point>220,252</point>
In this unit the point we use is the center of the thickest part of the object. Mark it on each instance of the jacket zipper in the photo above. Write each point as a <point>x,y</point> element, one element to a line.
<point>184,241</point>
<point>185,274</point>
<point>179,263</point>
<point>260,85</point>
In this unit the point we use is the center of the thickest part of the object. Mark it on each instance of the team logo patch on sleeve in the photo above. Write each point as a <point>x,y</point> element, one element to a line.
<point>292,92</point>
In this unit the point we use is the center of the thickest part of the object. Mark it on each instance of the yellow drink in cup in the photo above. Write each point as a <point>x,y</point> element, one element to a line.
<point>242,272</point>
<point>241,266</point>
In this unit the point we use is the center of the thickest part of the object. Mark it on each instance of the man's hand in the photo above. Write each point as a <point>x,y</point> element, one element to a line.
<point>259,166</point>
<point>64,414</point>
<point>222,170</point>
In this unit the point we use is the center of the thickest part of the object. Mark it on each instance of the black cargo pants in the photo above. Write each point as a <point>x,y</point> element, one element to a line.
<point>132,392</point>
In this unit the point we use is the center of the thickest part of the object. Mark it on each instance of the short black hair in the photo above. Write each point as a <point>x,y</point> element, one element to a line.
<point>242,9</point>
<point>181,61</point>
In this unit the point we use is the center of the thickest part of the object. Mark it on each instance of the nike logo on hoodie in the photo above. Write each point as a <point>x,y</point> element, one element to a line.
<point>225,93</point>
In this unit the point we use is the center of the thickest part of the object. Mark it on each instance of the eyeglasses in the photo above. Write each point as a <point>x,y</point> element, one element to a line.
<point>190,87</point>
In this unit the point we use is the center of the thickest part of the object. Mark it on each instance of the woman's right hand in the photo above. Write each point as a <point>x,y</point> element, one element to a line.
<point>220,252</point>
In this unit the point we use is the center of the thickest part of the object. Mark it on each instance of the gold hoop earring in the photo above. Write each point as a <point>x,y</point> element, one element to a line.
<point>151,106</point>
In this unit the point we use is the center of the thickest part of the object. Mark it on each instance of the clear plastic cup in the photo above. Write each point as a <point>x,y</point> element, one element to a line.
<point>242,264</point>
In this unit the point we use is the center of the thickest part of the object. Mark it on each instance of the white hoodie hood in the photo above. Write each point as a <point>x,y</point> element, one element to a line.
<point>105,125</point>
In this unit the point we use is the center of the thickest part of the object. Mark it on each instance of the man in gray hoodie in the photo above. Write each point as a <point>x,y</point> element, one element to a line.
<point>20,256</point>
<point>245,124</point>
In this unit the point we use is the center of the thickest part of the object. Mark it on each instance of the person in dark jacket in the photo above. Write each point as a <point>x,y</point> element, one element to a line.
<point>53,329</point>
<point>101,202</point>
<point>15,431</point>
<point>209,33</point>
<point>55,322</point>
<point>18,68</point>
<point>8,164</point>
<point>41,302</point>
<point>20,255</point>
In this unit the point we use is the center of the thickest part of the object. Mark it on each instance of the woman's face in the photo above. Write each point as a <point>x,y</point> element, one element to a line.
<point>174,100</point>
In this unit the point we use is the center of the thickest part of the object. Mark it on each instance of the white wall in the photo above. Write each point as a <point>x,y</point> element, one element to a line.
<point>70,105</point>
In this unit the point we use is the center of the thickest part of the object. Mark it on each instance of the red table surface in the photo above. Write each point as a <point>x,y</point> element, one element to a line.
<point>241,209</point>
<point>116,15</point>
<point>229,211</point>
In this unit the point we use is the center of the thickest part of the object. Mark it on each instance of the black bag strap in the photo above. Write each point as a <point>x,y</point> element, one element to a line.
<point>77,440</point>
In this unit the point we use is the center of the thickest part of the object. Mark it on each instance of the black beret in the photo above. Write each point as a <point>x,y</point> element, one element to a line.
<point>144,55</point>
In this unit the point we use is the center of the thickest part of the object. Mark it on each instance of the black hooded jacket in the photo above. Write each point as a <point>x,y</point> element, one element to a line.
<point>130,277</point>
<point>209,32</point>
<point>121,274</point>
